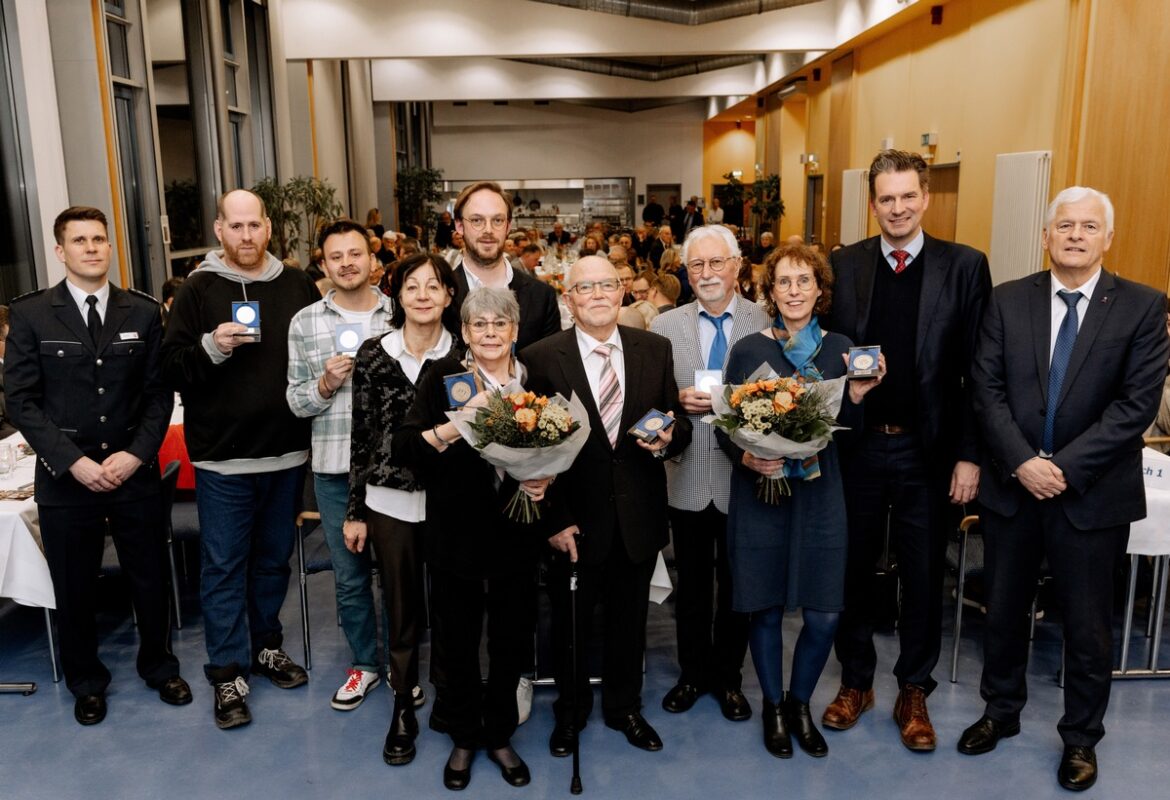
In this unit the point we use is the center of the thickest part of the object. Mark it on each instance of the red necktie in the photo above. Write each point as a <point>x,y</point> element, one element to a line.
<point>900,256</point>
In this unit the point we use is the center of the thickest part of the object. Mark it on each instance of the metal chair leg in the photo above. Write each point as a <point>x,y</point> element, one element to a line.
<point>1127,622</point>
<point>52,646</point>
<point>959,589</point>
<point>304,594</point>
<point>175,584</point>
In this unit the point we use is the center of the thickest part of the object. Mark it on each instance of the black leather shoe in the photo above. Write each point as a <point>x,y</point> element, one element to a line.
<point>799,721</point>
<point>399,747</point>
<point>89,709</point>
<point>1078,768</point>
<point>517,775</point>
<point>175,692</point>
<point>734,705</point>
<point>638,732</point>
<point>984,735</point>
<point>681,698</point>
<point>457,779</point>
<point>777,741</point>
<point>560,744</point>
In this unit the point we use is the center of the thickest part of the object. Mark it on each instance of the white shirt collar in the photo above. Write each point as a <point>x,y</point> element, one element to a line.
<point>78,294</point>
<point>394,343</point>
<point>587,344</point>
<point>914,247</point>
<point>473,281</point>
<point>1087,288</point>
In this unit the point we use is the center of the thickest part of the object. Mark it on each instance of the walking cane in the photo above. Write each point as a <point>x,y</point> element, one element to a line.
<point>575,785</point>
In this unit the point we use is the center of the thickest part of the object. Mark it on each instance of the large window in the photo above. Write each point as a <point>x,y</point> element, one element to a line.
<point>17,265</point>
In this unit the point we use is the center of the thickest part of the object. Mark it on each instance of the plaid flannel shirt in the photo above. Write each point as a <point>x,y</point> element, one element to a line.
<point>310,344</point>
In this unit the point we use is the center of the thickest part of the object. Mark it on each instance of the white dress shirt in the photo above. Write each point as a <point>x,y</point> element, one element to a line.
<point>594,362</point>
<point>79,295</point>
<point>913,248</point>
<point>1060,308</point>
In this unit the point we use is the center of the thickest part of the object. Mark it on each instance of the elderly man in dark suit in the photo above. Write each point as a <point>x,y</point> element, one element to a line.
<point>921,299</point>
<point>612,501</point>
<point>85,388</point>
<point>483,215</point>
<point>1068,375</point>
<point>712,639</point>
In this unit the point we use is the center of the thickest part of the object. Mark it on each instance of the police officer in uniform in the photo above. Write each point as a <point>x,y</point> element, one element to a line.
<point>85,390</point>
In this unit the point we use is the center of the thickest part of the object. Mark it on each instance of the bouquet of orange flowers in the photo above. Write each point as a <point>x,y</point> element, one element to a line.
<point>527,435</point>
<point>772,417</point>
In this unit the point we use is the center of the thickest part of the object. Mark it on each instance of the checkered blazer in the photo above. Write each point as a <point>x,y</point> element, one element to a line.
<point>701,473</point>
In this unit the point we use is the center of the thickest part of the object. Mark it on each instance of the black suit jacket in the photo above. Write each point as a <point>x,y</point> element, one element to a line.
<point>1111,393</point>
<point>539,314</point>
<point>955,286</point>
<point>70,399</point>
<point>613,493</point>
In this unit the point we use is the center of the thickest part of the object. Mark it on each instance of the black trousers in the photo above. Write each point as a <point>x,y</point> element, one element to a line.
<point>887,476</point>
<point>712,639</point>
<point>74,538</point>
<point>479,716</point>
<point>622,587</point>
<point>1082,565</point>
<point>398,549</point>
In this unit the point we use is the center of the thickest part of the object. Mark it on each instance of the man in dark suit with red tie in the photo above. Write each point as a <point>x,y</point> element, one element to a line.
<point>84,381</point>
<point>611,504</point>
<point>921,300</point>
<point>1068,375</point>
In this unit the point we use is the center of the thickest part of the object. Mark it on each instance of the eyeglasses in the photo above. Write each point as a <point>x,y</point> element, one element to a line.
<point>716,264</point>
<point>479,223</point>
<point>482,325</point>
<point>587,287</point>
<point>803,283</point>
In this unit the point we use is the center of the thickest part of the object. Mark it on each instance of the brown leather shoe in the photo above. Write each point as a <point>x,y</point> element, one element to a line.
<point>846,708</point>
<point>910,714</point>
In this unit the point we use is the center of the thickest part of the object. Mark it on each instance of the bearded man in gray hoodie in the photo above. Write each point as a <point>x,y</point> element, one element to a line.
<point>226,352</point>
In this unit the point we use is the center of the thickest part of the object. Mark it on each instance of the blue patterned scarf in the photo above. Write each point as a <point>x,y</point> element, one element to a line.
<point>801,349</point>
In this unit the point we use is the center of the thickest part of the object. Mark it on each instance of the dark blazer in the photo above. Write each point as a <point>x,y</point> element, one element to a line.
<point>1110,396</point>
<point>70,399</point>
<point>539,314</point>
<point>955,286</point>
<point>613,492</point>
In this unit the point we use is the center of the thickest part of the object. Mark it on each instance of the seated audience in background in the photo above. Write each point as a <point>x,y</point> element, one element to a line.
<point>320,389</point>
<point>746,281</point>
<point>168,298</point>
<point>388,254</point>
<point>662,244</point>
<point>84,385</point>
<point>530,257</point>
<point>760,253</point>
<point>444,231</point>
<point>374,222</point>
<point>640,288</point>
<point>558,235</point>
<point>664,291</point>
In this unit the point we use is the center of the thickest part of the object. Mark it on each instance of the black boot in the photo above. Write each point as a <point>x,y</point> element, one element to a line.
<point>399,747</point>
<point>776,738</point>
<point>800,723</point>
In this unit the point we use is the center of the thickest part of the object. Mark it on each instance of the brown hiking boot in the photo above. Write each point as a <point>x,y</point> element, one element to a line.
<point>846,708</point>
<point>914,722</point>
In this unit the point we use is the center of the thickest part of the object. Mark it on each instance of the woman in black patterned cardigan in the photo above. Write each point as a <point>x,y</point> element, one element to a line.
<point>386,503</point>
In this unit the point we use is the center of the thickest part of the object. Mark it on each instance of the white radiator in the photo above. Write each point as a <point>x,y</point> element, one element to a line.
<point>1017,216</point>
<point>854,205</point>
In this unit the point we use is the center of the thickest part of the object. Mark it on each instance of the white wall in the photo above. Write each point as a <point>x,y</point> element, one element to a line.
<point>485,141</point>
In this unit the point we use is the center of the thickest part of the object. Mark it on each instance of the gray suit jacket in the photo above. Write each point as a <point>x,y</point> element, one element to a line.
<point>702,473</point>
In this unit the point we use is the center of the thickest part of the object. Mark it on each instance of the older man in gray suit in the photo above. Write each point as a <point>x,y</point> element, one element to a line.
<point>712,639</point>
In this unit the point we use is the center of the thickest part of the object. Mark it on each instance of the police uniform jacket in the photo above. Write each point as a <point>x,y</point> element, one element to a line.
<point>70,398</point>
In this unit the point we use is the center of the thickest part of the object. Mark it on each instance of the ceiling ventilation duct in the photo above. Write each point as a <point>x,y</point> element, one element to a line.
<point>617,68</point>
<point>680,12</point>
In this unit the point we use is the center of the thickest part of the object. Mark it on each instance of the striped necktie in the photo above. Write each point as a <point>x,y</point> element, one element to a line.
<point>609,402</point>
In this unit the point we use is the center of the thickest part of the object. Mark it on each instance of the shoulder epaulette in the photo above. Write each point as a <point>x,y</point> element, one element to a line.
<point>26,295</point>
<point>144,296</point>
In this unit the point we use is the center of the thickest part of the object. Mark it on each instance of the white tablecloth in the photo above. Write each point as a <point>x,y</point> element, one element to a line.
<point>1151,536</point>
<point>24,574</point>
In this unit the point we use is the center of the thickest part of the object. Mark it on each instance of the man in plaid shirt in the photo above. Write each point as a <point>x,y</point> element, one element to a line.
<point>322,341</point>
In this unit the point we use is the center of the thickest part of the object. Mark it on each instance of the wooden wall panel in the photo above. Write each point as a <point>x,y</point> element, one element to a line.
<point>840,143</point>
<point>1123,148</point>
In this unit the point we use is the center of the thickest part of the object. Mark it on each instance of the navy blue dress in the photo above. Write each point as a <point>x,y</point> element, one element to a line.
<point>791,554</point>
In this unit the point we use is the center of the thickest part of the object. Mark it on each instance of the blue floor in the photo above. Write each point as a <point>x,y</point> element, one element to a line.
<point>298,747</point>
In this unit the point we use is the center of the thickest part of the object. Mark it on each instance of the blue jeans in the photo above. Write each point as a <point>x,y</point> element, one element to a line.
<point>351,572</point>
<point>247,531</point>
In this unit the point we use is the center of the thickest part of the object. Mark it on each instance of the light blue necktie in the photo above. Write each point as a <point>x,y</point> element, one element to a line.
<point>1066,337</point>
<point>719,345</point>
